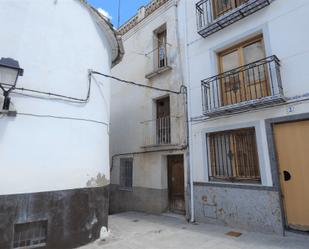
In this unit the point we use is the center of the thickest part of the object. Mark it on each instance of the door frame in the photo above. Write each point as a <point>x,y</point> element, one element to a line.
<point>269,125</point>
<point>168,181</point>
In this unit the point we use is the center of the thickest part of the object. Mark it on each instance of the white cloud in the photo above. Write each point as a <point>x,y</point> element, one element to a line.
<point>104,13</point>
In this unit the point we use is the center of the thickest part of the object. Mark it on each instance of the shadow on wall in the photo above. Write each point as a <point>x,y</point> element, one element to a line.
<point>99,181</point>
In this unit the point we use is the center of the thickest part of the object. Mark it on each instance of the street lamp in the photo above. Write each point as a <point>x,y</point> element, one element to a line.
<point>9,72</point>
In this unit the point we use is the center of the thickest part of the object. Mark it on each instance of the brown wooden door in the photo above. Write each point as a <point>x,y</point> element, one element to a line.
<point>246,84</point>
<point>176,183</point>
<point>220,7</point>
<point>292,143</point>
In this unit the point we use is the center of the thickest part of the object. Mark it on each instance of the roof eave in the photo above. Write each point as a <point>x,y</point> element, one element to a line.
<point>113,36</point>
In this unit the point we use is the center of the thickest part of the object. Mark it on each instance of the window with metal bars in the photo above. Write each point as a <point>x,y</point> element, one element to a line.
<point>162,57</point>
<point>126,173</point>
<point>233,156</point>
<point>30,235</point>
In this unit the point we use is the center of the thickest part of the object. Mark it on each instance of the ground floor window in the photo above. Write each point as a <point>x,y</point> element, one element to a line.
<point>126,173</point>
<point>233,156</point>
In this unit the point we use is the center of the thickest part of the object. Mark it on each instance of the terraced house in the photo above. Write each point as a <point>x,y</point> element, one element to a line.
<point>247,71</point>
<point>148,126</point>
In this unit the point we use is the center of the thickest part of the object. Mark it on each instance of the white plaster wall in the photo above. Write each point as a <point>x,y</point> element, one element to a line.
<point>56,42</point>
<point>284,25</point>
<point>131,106</point>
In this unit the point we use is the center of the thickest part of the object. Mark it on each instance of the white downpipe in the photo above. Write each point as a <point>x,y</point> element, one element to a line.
<point>187,59</point>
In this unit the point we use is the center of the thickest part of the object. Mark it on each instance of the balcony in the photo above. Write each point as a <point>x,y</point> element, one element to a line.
<point>211,17</point>
<point>158,62</point>
<point>159,132</point>
<point>254,85</point>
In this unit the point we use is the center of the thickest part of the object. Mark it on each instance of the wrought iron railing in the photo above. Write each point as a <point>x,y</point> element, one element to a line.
<point>158,59</point>
<point>214,15</point>
<point>158,131</point>
<point>258,83</point>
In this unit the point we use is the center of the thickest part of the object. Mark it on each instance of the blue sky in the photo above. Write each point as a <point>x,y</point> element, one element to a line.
<point>127,10</point>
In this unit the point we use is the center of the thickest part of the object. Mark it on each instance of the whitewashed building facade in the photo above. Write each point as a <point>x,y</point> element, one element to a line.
<point>148,126</point>
<point>54,140</point>
<point>247,72</point>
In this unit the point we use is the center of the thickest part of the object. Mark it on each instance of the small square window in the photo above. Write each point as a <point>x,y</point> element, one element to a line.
<point>126,173</point>
<point>30,235</point>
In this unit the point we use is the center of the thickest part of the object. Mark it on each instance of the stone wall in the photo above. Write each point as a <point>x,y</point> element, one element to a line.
<point>74,217</point>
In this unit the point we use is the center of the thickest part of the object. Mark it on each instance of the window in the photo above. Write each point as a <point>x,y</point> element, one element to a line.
<point>223,6</point>
<point>247,83</point>
<point>233,156</point>
<point>163,122</point>
<point>30,235</point>
<point>126,173</point>
<point>161,42</point>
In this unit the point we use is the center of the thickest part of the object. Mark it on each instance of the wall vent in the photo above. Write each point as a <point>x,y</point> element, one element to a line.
<point>30,235</point>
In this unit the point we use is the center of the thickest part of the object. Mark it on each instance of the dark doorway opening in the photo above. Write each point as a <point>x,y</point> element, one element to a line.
<point>176,188</point>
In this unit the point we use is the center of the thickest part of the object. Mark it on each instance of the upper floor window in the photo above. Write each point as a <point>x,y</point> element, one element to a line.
<point>234,156</point>
<point>161,43</point>
<point>247,85</point>
<point>246,79</point>
<point>163,121</point>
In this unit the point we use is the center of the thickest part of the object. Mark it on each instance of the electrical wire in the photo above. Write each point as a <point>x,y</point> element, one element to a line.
<point>181,91</point>
<point>50,94</point>
<point>56,96</point>
<point>62,117</point>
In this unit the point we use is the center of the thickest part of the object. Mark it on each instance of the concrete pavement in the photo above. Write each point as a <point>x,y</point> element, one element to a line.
<point>142,231</point>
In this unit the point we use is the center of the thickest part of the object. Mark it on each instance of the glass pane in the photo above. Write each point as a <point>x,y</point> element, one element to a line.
<point>229,62</point>
<point>8,76</point>
<point>254,52</point>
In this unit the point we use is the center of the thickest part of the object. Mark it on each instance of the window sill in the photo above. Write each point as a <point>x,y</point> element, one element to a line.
<point>125,189</point>
<point>154,147</point>
<point>237,185</point>
<point>158,72</point>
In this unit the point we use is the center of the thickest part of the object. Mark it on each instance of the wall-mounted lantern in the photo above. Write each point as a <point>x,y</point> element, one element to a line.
<point>9,72</point>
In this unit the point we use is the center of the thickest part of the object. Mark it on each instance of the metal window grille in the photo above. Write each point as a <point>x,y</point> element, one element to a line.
<point>233,155</point>
<point>126,173</point>
<point>30,235</point>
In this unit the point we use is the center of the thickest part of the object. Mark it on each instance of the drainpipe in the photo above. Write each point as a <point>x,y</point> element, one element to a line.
<point>187,59</point>
<point>185,89</point>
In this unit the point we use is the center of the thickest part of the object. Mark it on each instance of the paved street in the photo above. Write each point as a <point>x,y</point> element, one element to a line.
<point>142,231</point>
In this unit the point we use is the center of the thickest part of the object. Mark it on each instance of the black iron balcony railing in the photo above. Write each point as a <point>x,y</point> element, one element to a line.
<point>214,15</point>
<point>256,84</point>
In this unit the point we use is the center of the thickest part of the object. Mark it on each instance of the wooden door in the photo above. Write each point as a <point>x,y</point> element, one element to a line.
<point>292,143</point>
<point>247,83</point>
<point>220,7</point>
<point>176,184</point>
